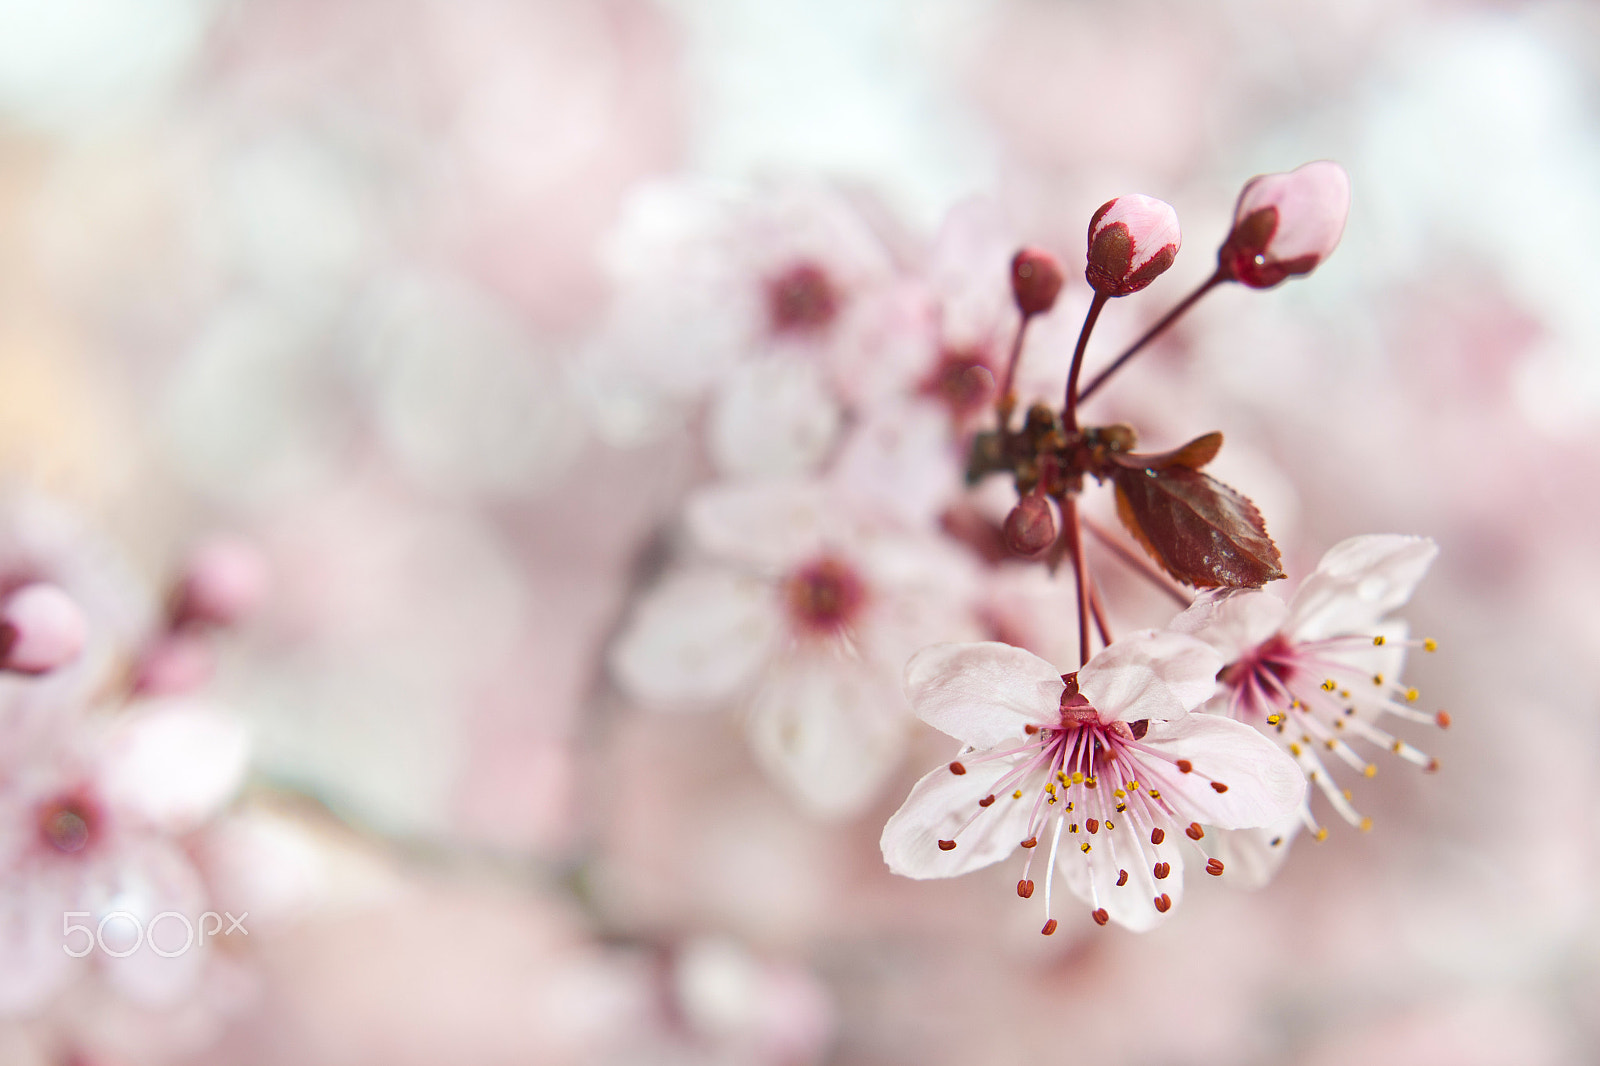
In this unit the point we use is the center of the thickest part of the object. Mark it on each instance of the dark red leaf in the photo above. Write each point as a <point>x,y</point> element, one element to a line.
<point>1201,532</point>
<point>1194,455</point>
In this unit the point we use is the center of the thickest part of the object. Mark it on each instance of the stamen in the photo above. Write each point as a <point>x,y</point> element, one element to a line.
<point>1122,878</point>
<point>1161,870</point>
<point>1163,903</point>
<point>1025,888</point>
<point>1157,835</point>
<point>1100,916</point>
<point>1218,786</point>
<point>1194,832</point>
<point>1184,766</point>
<point>957,769</point>
<point>986,801</point>
<point>1049,926</point>
<point>947,845</point>
<point>1214,867</point>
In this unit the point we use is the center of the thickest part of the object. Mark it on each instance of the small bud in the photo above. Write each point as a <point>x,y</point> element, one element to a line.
<point>41,629</point>
<point>1132,241</point>
<point>1031,526</point>
<point>1285,224</point>
<point>1036,278</point>
<point>223,581</point>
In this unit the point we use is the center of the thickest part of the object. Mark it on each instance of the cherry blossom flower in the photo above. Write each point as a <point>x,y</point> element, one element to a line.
<point>1132,241</point>
<point>1108,756</point>
<point>1318,673</point>
<point>92,822</point>
<point>804,614</point>
<point>1285,224</point>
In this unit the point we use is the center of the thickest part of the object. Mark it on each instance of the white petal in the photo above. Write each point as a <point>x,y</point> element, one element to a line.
<point>1264,785</point>
<point>983,694</point>
<point>1150,674</point>
<point>768,524</point>
<point>1132,905</point>
<point>773,418</point>
<point>830,732</point>
<point>1252,857</point>
<point>696,638</point>
<point>1358,582</point>
<point>175,763</point>
<point>937,808</point>
<point>1232,622</point>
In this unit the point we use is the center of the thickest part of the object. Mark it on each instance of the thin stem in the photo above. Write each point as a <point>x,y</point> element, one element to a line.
<point>1153,332</point>
<point>1098,608</point>
<point>1080,572</point>
<point>1006,402</point>
<point>1138,563</point>
<point>1069,414</point>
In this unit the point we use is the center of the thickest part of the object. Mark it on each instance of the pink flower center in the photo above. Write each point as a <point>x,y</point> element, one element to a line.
<point>69,824</point>
<point>825,596</point>
<point>801,300</point>
<point>962,382</point>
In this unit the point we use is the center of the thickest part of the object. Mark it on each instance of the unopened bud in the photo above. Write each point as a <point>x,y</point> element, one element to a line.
<point>223,581</point>
<point>1031,526</point>
<point>1036,278</point>
<point>1285,224</point>
<point>1132,241</point>
<point>41,629</point>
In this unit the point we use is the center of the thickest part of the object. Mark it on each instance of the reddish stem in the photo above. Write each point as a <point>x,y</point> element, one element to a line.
<point>1080,573</point>
<point>1138,563</point>
<point>1153,332</point>
<point>1098,608</point>
<point>1069,414</point>
<point>1006,402</point>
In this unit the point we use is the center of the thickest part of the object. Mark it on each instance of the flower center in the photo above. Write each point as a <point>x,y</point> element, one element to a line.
<point>801,300</point>
<point>962,382</point>
<point>825,596</point>
<point>69,824</point>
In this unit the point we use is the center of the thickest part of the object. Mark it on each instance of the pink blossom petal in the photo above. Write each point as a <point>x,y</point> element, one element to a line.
<point>773,418</point>
<point>41,629</point>
<point>1132,241</point>
<point>983,694</point>
<point>1312,201</point>
<point>224,581</point>
<point>1150,674</point>
<point>937,809</point>
<point>1252,857</point>
<point>772,524</point>
<point>696,639</point>
<point>175,763</point>
<point>1262,785</point>
<point>1358,582</point>
<point>1232,621</point>
<point>828,732</point>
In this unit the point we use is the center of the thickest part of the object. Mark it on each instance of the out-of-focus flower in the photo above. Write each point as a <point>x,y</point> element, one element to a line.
<point>1036,279</point>
<point>1285,224</point>
<point>1109,754</point>
<point>1320,671</point>
<point>807,614</point>
<point>91,823</point>
<point>41,629</point>
<point>224,580</point>
<point>1132,241</point>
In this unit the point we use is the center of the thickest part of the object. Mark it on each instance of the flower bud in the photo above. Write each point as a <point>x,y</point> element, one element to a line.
<point>223,581</point>
<point>1132,241</point>
<point>41,629</point>
<point>1031,526</point>
<point>1036,279</point>
<point>1285,224</point>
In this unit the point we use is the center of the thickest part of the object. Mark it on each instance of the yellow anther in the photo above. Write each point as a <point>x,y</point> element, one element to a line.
<point>1109,825</point>
<point>1274,719</point>
<point>1121,807</point>
<point>1017,794</point>
<point>1154,794</point>
<point>1366,825</point>
<point>1338,723</point>
<point>1050,787</point>
<point>1077,777</point>
<point>1051,802</point>
<point>1348,795</point>
<point>1294,749</point>
<point>1411,695</point>
<point>1330,743</point>
<point>1121,795</point>
<point>1377,679</point>
<point>1133,786</point>
<point>1069,805</point>
<point>1344,693</point>
<point>1378,640</point>
<point>1085,847</point>
<point>1321,834</point>
<point>1328,685</point>
<point>1430,645</point>
<point>1398,746</point>
<point>1294,704</point>
<point>1371,769</point>
<point>1089,781</point>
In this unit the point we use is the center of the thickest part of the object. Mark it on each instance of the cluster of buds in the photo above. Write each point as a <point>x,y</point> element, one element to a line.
<point>1132,755</point>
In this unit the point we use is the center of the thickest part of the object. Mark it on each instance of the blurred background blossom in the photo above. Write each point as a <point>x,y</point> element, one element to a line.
<point>450,316</point>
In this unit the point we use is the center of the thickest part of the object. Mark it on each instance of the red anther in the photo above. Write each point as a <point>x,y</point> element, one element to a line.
<point>1122,878</point>
<point>1157,835</point>
<point>1031,842</point>
<point>1162,869</point>
<point>1030,729</point>
<point>1433,765</point>
<point>1443,718</point>
<point>1163,903</point>
<point>986,801</point>
<point>1194,831</point>
<point>1184,765</point>
<point>1100,916</point>
<point>1049,927</point>
<point>1030,528</point>
<point>1093,825</point>
<point>947,845</point>
<point>1218,786</point>
<point>1214,867</point>
<point>957,769</point>
<point>1025,889</point>
<point>1036,278</point>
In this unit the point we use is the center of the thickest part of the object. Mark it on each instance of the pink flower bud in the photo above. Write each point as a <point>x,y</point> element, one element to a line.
<point>1285,224</point>
<point>1031,526</point>
<point>41,629</point>
<point>1036,278</point>
<point>224,581</point>
<point>1132,240</point>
